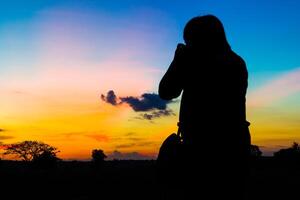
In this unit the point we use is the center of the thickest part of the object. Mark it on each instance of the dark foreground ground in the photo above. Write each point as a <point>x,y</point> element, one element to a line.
<point>269,179</point>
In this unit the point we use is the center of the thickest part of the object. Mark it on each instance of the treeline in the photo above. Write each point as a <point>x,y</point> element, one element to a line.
<point>44,154</point>
<point>290,153</point>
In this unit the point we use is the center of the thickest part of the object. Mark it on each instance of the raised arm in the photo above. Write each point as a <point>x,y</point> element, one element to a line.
<point>170,85</point>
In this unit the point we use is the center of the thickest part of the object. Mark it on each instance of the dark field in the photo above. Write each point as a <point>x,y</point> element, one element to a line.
<point>269,179</point>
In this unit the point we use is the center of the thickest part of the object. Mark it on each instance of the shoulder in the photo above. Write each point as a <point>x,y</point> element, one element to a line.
<point>237,59</point>
<point>239,63</point>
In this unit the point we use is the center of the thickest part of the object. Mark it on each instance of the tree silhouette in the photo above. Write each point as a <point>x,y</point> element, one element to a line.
<point>98,156</point>
<point>31,151</point>
<point>255,151</point>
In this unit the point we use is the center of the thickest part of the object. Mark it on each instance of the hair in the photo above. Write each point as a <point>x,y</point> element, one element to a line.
<point>206,32</point>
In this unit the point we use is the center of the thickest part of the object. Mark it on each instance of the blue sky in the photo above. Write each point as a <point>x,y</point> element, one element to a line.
<point>265,33</point>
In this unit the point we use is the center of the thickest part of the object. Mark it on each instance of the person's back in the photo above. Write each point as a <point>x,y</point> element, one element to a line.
<point>213,82</point>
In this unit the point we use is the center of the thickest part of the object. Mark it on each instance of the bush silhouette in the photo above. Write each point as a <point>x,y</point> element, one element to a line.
<point>46,159</point>
<point>98,156</point>
<point>255,151</point>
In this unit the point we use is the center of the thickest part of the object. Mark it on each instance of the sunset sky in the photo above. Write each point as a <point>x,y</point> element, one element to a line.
<point>59,59</point>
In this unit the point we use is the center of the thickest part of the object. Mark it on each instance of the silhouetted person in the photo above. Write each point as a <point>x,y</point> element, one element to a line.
<point>213,82</point>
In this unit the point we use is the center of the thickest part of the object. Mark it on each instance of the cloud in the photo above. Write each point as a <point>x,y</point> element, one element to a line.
<point>277,89</point>
<point>3,137</point>
<point>150,103</point>
<point>122,146</point>
<point>139,144</point>
<point>157,114</point>
<point>110,98</point>
<point>93,135</point>
<point>147,101</point>
<point>71,134</point>
<point>128,156</point>
<point>134,139</point>
<point>130,134</point>
<point>99,137</point>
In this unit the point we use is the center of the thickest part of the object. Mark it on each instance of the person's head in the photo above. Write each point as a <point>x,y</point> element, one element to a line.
<point>205,32</point>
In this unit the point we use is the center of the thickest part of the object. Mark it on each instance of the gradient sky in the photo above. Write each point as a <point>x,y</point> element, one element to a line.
<point>58,57</point>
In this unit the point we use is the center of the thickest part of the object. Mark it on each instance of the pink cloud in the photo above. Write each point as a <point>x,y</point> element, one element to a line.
<point>275,90</point>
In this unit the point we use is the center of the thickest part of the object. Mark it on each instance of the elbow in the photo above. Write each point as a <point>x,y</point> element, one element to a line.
<point>168,89</point>
<point>163,93</point>
<point>167,94</point>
